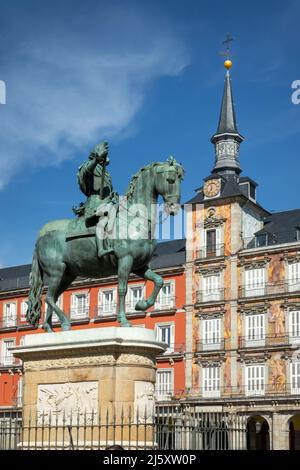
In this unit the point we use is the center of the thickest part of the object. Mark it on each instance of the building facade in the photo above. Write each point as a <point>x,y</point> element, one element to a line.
<point>229,310</point>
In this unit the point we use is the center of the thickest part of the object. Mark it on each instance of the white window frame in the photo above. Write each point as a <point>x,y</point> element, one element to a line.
<point>158,333</point>
<point>11,319</point>
<point>164,302</point>
<point>60,304</point>
<point>164,390</point>
<point>255,379</point>
<point>294,326</point>
<point>211,381</point>
<point>211,333</point>
<point>7,358</point>
<point>218,231</point>
<point>130,302</point>
<point>255,329</point>
<point>295,377</point>
<point>77,313</point>
<point>211,287</point>
<point>23,310</point>
<point>107,308</point>
<point>255,281</point>
<point>293,276</point>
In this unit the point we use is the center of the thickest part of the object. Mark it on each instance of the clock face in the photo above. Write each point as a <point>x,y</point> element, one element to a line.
<point>212,188</point>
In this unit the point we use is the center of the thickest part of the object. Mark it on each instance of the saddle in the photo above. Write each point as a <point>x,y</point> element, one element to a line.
<point>77,229</point>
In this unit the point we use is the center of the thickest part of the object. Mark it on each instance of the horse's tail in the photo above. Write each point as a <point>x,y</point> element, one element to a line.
<point>33,313</point>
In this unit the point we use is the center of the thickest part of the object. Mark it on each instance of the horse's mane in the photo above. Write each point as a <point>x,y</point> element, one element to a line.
<point>172,162</point>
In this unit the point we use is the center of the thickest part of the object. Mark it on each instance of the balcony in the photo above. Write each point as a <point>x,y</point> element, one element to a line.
<point>210,252</point>
<point>175,349</point>
<point>242,392</point>
<point>212,296</point>
<point>266,239</point>
<point>79,314</point>
<point>269,289</point>
<point>214,344</point>
<point>7,362</point>
<point>104,312</point>
<point>269,341</point>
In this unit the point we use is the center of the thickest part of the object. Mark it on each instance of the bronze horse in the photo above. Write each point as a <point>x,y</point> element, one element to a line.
<point>61,260</point>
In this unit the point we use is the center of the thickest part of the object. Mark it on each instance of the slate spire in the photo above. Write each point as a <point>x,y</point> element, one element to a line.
<point>227,139</point>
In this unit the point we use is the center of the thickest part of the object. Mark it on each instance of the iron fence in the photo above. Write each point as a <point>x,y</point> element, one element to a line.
<point>169,428</point>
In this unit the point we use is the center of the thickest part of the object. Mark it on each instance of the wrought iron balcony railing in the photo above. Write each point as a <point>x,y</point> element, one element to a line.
<point>173,348</point>
<point>9,361</point>
<point>214,344</point>
<point>102,311</point>
<point>79,313</point>
<point>210,296</point>
<point>269,341</point>
<point>270,288</point>
<point>240,392</point>
<point>210,251</point>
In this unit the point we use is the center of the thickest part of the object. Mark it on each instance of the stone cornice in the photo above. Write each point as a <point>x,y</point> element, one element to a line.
<point>253,263</point>
<point>250,358</point>
<point>258,308</point>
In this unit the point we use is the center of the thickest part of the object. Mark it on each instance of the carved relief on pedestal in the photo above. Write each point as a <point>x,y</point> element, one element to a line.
<point>105,359</point>
<point>58,402</point>
<point>143,402</point>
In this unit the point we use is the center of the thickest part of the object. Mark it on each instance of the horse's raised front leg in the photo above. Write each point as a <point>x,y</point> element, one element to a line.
<point>124,270</point>
<point>158,281</point>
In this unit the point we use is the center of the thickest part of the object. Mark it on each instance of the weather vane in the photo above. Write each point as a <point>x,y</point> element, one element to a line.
<point>227,53</point>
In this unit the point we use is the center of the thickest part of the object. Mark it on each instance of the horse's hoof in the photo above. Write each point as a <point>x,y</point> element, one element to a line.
<point>141,305</point>
<point>66,326</point>
<point>47,328</point>
<point>124,322</point>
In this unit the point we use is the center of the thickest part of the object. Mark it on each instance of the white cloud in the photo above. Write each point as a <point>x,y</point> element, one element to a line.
<point>65,92</point>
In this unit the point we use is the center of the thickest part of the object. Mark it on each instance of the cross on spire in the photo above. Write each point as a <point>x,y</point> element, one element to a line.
<point>227,42</point>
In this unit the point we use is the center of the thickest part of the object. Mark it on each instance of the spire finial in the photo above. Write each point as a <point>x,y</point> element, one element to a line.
<point>227,52</point>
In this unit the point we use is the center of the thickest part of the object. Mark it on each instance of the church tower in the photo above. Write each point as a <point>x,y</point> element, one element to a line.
<point>227,139</point>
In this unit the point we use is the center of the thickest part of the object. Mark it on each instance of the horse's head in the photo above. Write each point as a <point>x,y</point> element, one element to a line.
<point>167,182</point>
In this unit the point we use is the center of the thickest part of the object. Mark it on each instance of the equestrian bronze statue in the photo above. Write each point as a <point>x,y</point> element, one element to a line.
<point>111,235</point>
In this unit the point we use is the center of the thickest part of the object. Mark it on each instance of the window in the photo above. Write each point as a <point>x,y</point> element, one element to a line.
<point>294,326</point>
<point>24,307</point>
<point>107,302</point>
<point>211,381</point>
<point>10,314</point>
<point>7,357</point>
<point>254,282</point>
<point>135,294</point>
<point>255,380</point>
<point>295,377</point>
<point>213,242</point>
<point>294,276</point>
<point>166,297</point>
<point>211,333</point>
<point>165,333</point>
<point>211,288</point>
<point>255,330</point>
<point>60,305</point>
<point>79,305</point>
<point>164,383</point>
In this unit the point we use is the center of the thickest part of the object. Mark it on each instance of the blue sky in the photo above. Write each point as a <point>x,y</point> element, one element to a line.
<point>147,76</point>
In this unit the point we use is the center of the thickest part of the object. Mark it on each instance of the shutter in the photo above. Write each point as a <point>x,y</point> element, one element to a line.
<point>203,247</point>
<point>172,302</point>
<point>218,242</point>
<point>73,305</point>
<point>87,309</point>
<point>172,339</point>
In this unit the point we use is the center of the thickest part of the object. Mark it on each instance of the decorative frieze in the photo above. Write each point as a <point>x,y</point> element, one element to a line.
<point>208,270</point>
<point>247,263</point>
<point>253,309</point>
<point>253,359</point>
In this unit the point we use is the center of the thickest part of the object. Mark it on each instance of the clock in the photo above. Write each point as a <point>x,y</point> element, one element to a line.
<point>212,188</point>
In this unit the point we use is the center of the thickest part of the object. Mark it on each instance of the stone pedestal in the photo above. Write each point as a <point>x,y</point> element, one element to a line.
<point>94,387</point>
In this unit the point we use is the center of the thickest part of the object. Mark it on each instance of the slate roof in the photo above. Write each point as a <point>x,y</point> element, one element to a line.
<point>166,255</point>
<point>280,227</point>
